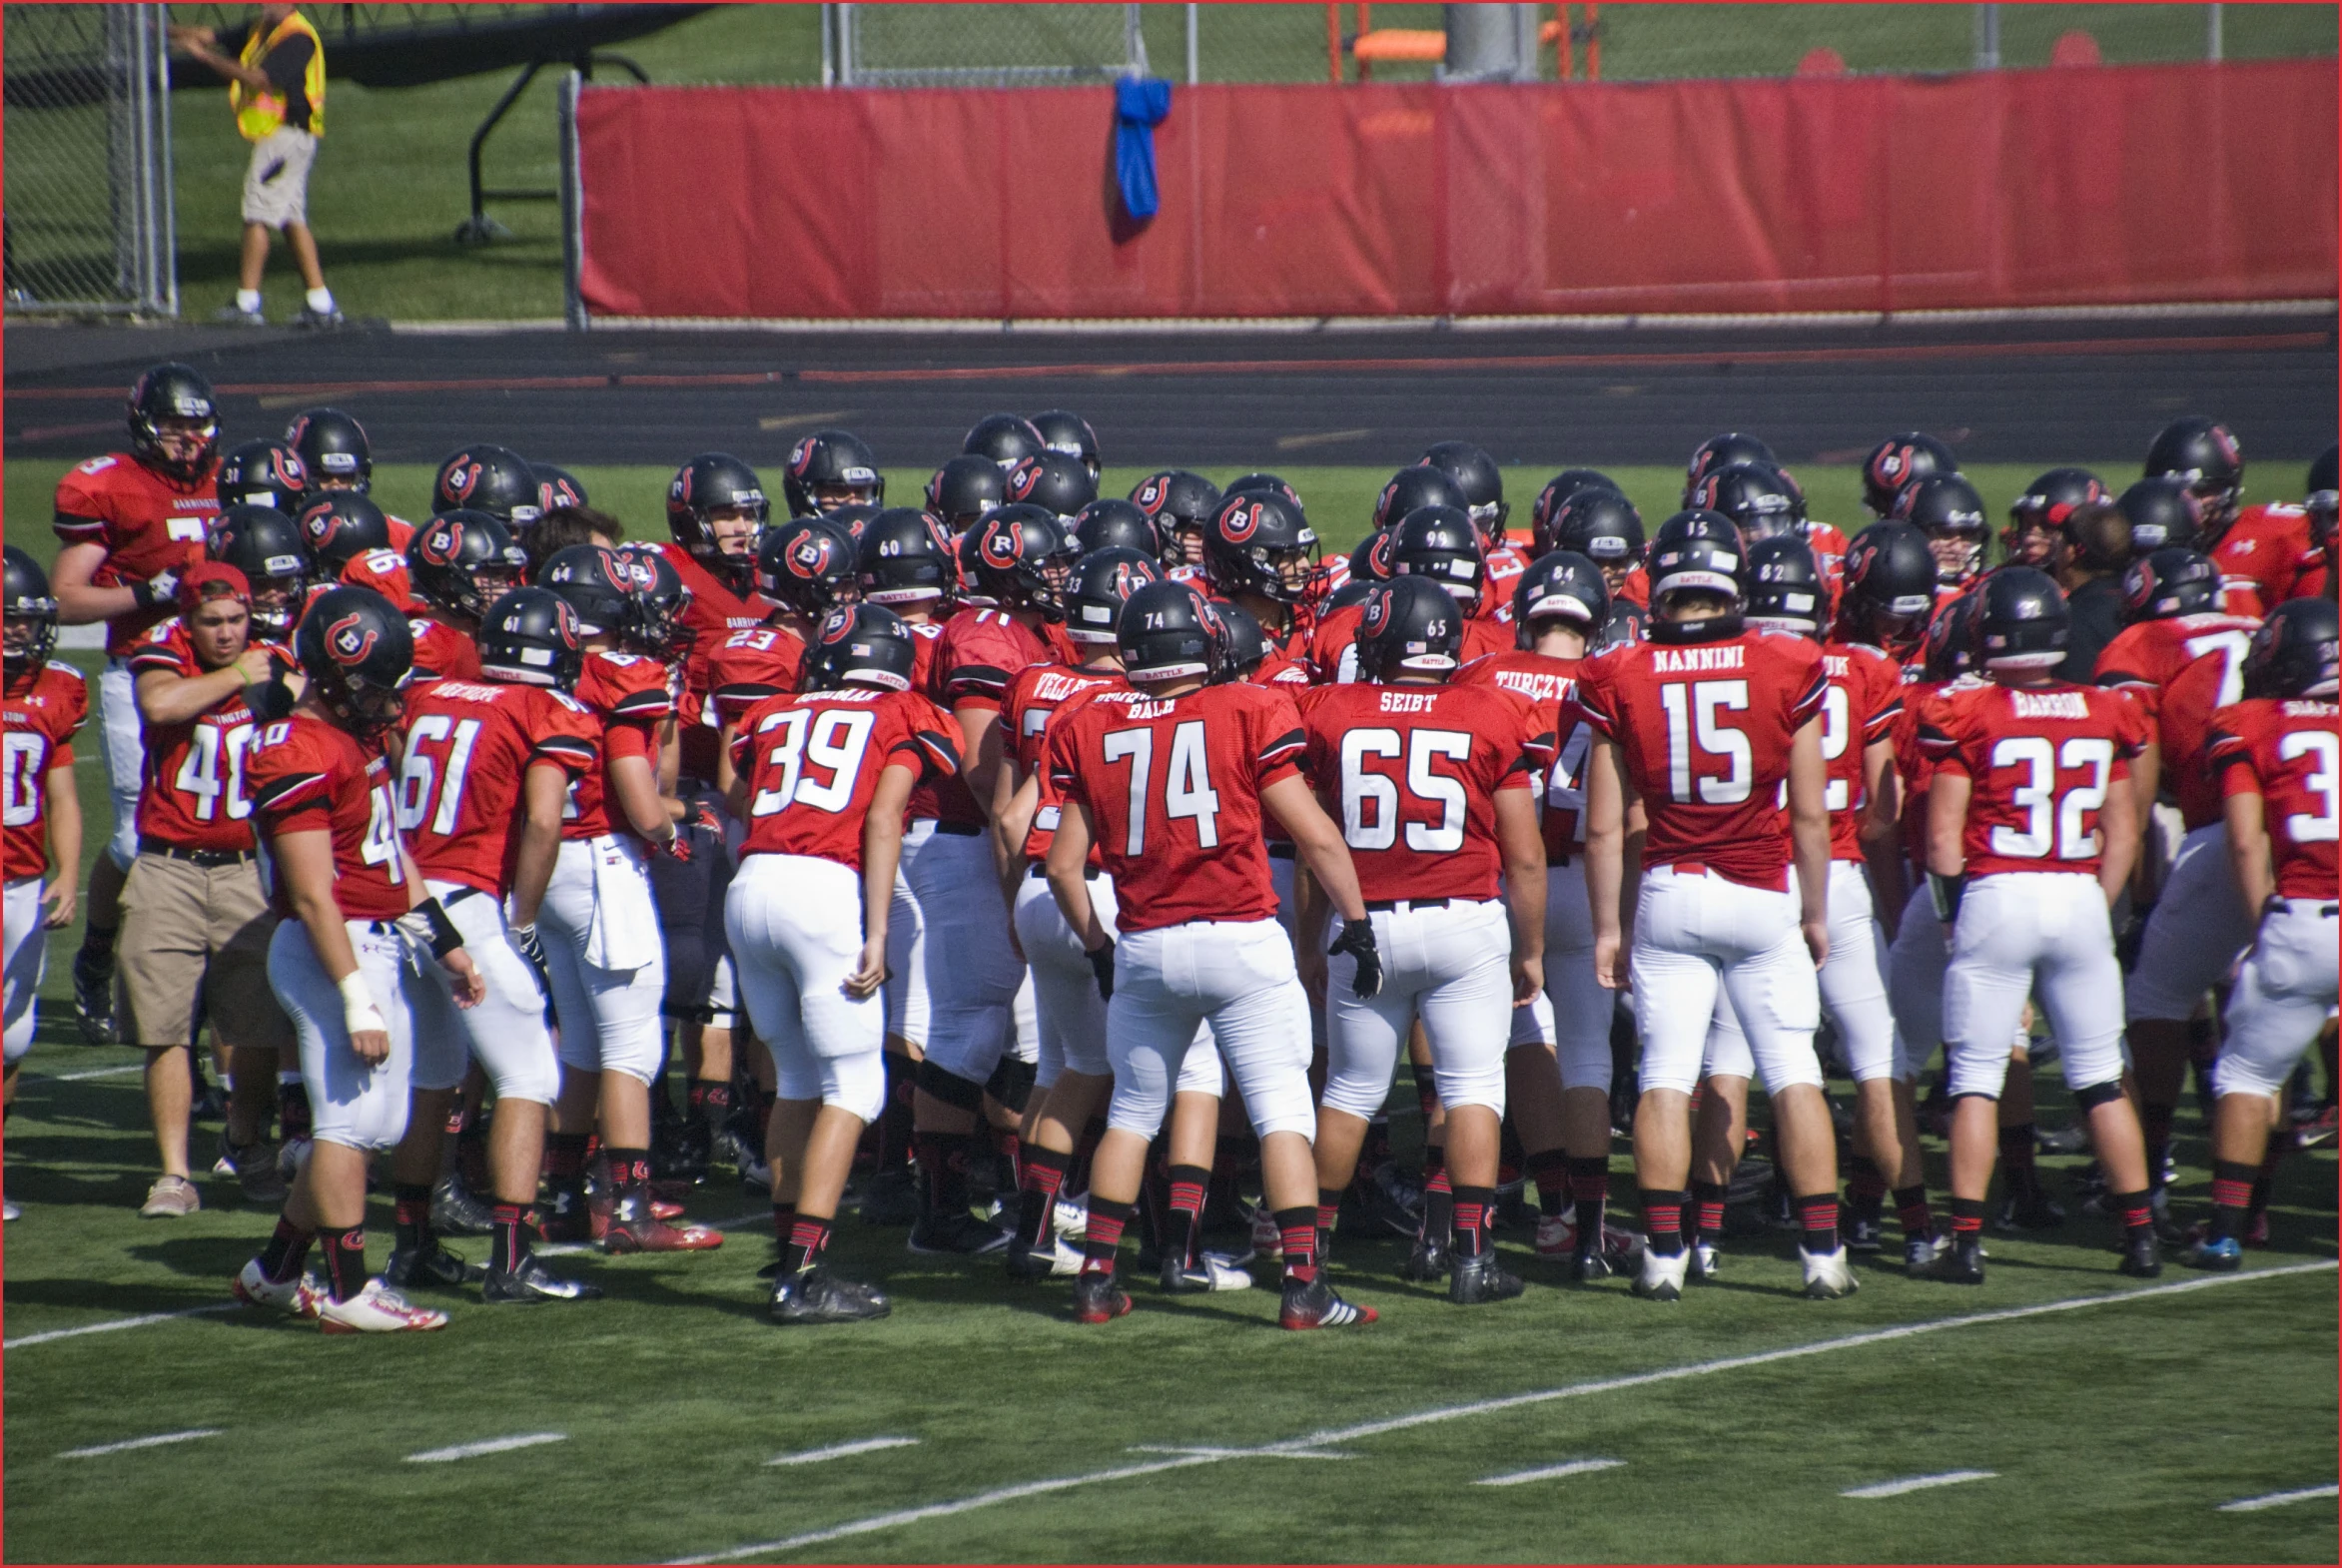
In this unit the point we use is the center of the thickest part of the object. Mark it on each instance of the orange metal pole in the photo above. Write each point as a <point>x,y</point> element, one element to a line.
<point>1333,42</point>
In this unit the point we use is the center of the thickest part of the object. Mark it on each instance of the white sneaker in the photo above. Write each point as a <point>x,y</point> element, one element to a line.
<point>295,1298</point>
<point>1707,1261</point>
<point>1071,1218</point>
<point>1267,1240</point>
<point>377,1310</point>
<point>291,1155</point>
<point>1661,1278</point>
<point>1557,1235</point>
<point>1827,1277</point>
<point>9,1210</point>
<point>1212,1272</point>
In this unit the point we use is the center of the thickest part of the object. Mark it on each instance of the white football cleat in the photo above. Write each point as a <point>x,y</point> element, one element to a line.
<point>1557,1235</point>
<point>9,1210</point>
<point>1827,1275</point>
<point>1661,1278</point>
<point>1707,1261</point>
<point>377,1310</point>
<point>1212,1272</point>
<point>1071,1218</point>
<point>295,1298</point>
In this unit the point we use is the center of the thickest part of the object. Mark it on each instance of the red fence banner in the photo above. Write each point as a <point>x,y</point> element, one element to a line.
<point>1990,189</point>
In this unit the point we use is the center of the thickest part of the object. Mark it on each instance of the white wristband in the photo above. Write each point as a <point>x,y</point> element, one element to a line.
<point>358,1005</point>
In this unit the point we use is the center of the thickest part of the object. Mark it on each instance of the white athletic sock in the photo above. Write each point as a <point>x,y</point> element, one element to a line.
<point>320,300</point>
<point>248,300</point>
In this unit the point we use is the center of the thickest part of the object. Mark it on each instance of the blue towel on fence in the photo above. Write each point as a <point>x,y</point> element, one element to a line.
<point>1141,103</point>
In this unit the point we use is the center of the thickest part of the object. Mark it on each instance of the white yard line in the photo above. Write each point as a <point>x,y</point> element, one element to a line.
<point>140,1442</point>
<point>867,1445</point>
<point>1329,1437</point>
<point>1238,1453</point>
<point>107,1327</point>
<point>2281,1500</point>
<point>1918,1483</point>
<point>1551,1472</point>
<point>89,1073</point>
<point>494,1446</point>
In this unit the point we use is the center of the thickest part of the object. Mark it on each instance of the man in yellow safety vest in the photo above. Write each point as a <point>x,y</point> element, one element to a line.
<point>277,87</point>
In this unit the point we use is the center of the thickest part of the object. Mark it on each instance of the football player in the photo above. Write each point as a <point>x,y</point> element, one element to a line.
<point>1181,504</point>
<point>490,479</point>
<point>489,766</point>
<point>39,830</point>
<point>130,522</point>
<point>2317,575</point>
<point>964,489</point>
<point>345,960</point>
<point>2256,548</point>
<point>1720,451</point>
<point>1948,510</point>
<point>1898,461</point>
<point>1604,527</point>
<point>1064,432</point>
<point>1171,782</point>
<point>262,473</point>
<point>1260,553</point>
<point>1006,438</point>
<point>1107,523</point>
<point>2032,829</point>
<point>2037,518</point>
<point>1704,724</point>
<point>339,528</point>
<point>1482,483</point>
<point>460,562</point>
<point>333,448</point>
<point>2280,760</point>
<point>1053,481</point>
<point>831,469</point>
<point>1431,782</point>
<point>265,545</point>
<point>1424,484</point>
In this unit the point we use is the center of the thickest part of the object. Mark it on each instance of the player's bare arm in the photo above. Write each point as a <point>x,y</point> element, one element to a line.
<point>1069,855</point>
<point>544,789</point>
<point>1607,793</point>
<point>79,600</point>
<point>2249,856</point>
<point>64,810</point>
<point>1522,846</point>
<point>1809,830</point>
<point>881,852</point>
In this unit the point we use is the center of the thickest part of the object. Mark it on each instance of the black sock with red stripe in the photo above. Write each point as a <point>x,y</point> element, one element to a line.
<point>1911,1208</point>
<point>1817,1213</point>
<point>1662,1221</point>
<point>412,1209</point>
<point>286,1250</point>
<point>1104,1238</point>
<point>1967,1217</point>
<point>894,1115</point>
<point>1550,1171</point>
<point>1183,1235</point>
<point>1474,1208</point>
<point>710,1098</point>
<point>1298,1227</point>
<point>507,1236</point>
<point>2232,1185</point>
<point>943,1160</point>
<point>809,1236</point>
<point>1589,1191</point>
<point>1329,1209</point>
<point>2136,1211</point>
<point>345,1249</point>
<point>1866,1189</point>
<point>1707,1205</point>
<point>1438,1196</point>
<point>2016,1159</point>
<point>1038,1186</point>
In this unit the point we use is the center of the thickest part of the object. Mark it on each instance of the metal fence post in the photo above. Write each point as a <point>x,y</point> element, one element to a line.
<point>1987,38</point>
<point>572,202</point>
<point>845,15</point>
<point>1193,62</point>
<point>2213,49</point>
<point>829,59</point>
<point>160,181</point>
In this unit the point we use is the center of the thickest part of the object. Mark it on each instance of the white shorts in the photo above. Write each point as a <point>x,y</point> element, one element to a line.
<point>1280,877</point>
<point>1582,1005</point>
<point>27,961</point>
<point>1070,1012</point>
<point>1025,1021</point>
<point>1449,965</point>
<point>794,923</point>
<point>909,1016</point>
<point>601,940</point>
<point>1852,990</point>
<point>970,971</point>
<point>123,746</point>
<point>2282,997</point>
<point>355,1104</point>
<point>2197,931</point>
<point>276,182</point>
<point>1532,1024</point>
<point>1238,977</point>
<point>1915,976</point>
<point>2019,931</point>
<point>1696,932</point>
<point>506,1032</point>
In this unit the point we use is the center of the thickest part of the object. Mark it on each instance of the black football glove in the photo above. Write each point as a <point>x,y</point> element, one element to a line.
<point>1102,964</point>
<point>1357,939</point>
<point>2132,935</point>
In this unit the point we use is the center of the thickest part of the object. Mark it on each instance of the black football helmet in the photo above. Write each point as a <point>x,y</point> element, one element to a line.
<point>1107,523</point>
<point>1889,592</point>
<point>1754,495</point>
<point>964,489</point>
<point>1898,461</point>
<point>1248,642</point>
<point>2293,654</point>
<point>1053,480</point>
<point>1560,585</point>
<point>1169,631</point>
<point>660,627</point>
<point>2163,513</point>
<point>852,517</point>
<point>1370,561</point>
<point>1259,543</point>
<point>1560,489</point>
<point>173,391</point>
<point>1785,586</point>
<point>465,560</point>
<point>1444,544</point>
<point>1252,484</point>
<point>1719,451</point>
<point>557,486</point>
<point>1949,649</point>
<point>831,469</point>
<point>2322,496</point>
<point>1182,505</point>
<point>530,637</point>
<point>334,447</point>
<point>1412,488</point>
<point>340,527</point>
<point>2170,581</point>
<point>1629,622</point>
<point>1355,591</point>
<point>265,545</point>
<point>1409,624</point>
<point>1007,439</point>
<point>2021,620</point>
<point>1481,480</point>
<point>262,473</point>
<point>1062,431</point>
<point>1948,510</point>
<point>597,583</point>
<point>904,558</point>
<point>357,650</point>
<point>860,645</point>
<point>493,479</point>
<point>807,565</point>
<point>1601,525</point>
<point>711,482</point>
<point>2044,505</point>
<point>1102,582</point>
<point>2204,455</point>
<point>1021,559</point>
<point>31,612</point>
<point>1694,551</point>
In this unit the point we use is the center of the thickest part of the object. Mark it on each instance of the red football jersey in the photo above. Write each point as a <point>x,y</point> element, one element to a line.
<point>1411,772</point>
<point>1863,701</point>
<point>2261,554</point>
<point>309,776</point>
<point>2288,752</point>
<point>1913,762</point>
<point>1334,643</point>
<point>2144,658</point>
<point>2183,725</point>
<point>2042,760</point>
<point>1705,731</point>
<point>1038,698</point>
<point>628,693</point>
<point>195,793</point>
<point>977,655</point>
<point>1508,564</point>
<point>148,524</point>
<point>41,712</point>
<point>441,652</point>
<point>748,666</point>
<point>469,745</point>
<point>1172,787</point>
<point>1549,685</point>
<point>714,614</point>
<point>386,572</point>
<point>812,764</point>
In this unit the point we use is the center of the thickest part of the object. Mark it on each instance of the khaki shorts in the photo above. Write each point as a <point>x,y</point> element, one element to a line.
<point>198,936</point>
<point>276,185</point>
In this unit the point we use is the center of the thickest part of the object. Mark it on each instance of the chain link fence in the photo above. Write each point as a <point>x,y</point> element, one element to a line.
<point>87,213</point>
<point>980,45</point>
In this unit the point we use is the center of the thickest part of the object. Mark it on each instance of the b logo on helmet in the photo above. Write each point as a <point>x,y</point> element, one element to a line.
<point>838,626</point>
<point>461,477</point>
<point>1377,613</point>
<point>1150,496</point>
<point>801,457</point>
<point>810,556</point>
<point>440,544</point>
<point>351,640</point>
<point>1022,477</point>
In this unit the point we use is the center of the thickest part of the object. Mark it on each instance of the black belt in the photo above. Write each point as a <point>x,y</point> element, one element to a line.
<point>1387,906</point>
<point>963,830</point>
<point>1039,873</point>
<point>1280,852</point>
<point>207,859</point>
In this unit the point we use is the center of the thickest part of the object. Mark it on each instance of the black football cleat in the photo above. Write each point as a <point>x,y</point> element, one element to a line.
<point>1428,1260</point>
<point>1864,1233</point>
<point>455,1212</point>
<point>1961,1262</point>
<point>1099,1297</point>
<point>1483,1278</point>
<point>891,1198</point>
<point>1316,1305</point>
<point>2029,1209</point>
<point>429,1268</point>
<point>958,1235</point>
<point>815,1295</point>
<point>93,998</point>
<point>532,1281</point>
<point>1589,1267</point>
<point>2142,1255</point>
